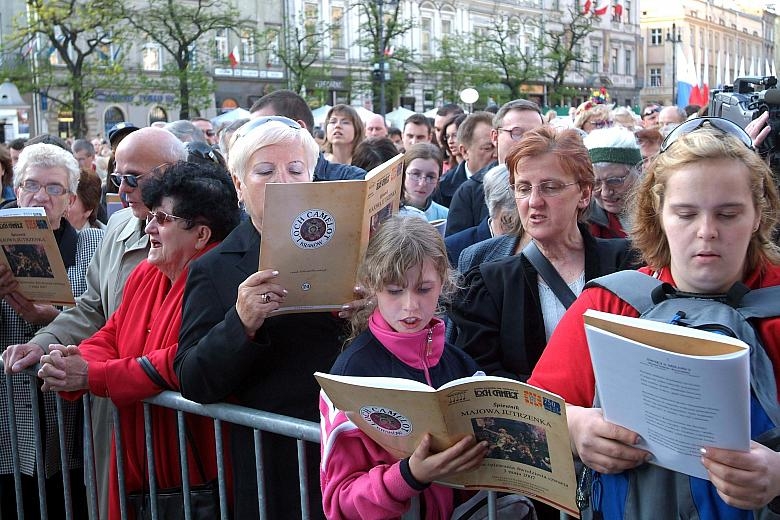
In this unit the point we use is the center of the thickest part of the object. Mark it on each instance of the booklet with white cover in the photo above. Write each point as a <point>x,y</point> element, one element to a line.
<point>681,389</point>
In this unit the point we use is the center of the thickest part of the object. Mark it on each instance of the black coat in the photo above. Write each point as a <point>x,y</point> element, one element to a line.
<point>449,184</point>
<point>498,313</point>
<point>272,371</point>
<point>468,207</point>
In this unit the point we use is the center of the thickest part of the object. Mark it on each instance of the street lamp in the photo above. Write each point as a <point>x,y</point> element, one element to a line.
<point>674,37</point>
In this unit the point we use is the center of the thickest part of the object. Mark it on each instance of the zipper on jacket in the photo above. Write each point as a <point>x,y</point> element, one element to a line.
<point>426,354</point>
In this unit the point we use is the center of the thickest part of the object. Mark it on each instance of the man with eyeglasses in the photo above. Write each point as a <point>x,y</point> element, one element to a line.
<point>124,246</point>
<point>512,120</point>
<point>617,161</point>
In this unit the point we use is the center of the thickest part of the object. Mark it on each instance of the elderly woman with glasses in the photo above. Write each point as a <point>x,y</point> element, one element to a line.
<point>510,307</point>
<point>130,358</point>
<point>703,220</point>
<point>617,160</point>
<point>46,176</point>
<point>231,346</point>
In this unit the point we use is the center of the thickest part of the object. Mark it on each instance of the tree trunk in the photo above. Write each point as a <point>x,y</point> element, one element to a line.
<point>184,94</point>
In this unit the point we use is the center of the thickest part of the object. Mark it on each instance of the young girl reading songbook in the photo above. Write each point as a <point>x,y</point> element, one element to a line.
<point>405,272</point>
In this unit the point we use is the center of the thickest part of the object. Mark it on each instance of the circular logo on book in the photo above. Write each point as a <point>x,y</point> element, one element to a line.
<point>313,228</point>
<point>386,420</point>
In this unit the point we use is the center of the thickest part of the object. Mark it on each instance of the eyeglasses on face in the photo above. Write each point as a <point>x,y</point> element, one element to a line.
<point>515,133</point>
<point>723,125</point>
<point>418,177</point>
<point>603,123</point>
<point>610,182</point>
<point>162,218</point>
<point>523,190</point>
<point>131,179</point>
<point>54,190</point>
<point>260,121</point>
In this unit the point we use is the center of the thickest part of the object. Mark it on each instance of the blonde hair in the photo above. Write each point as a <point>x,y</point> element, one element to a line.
<point>400,244</point>
<point>700,145</point>
<point>588,110</point>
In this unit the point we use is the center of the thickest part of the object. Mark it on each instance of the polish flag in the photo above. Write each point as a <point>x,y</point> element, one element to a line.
<point>234,57</point>
<point>602,7</point>
<point>587,6</point>
<point>619,8</point>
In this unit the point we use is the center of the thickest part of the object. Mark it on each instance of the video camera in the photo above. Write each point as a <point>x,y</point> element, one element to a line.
<point>741,103</point>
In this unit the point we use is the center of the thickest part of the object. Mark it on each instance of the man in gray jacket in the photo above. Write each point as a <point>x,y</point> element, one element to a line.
<point>124,246</point>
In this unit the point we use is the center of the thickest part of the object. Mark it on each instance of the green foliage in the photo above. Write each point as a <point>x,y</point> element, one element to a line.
<point>69,50</point>
<point>561,47</point>
<point>499,49</point>
<point>178,27</point>
<point>377,34</point>
<point>303,42</point>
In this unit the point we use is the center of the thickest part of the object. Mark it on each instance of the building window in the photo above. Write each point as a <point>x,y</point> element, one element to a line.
<point>627,62</point>
<point>446,27</point>
<point>655,36</point>
<point>112,116</point>
<point>221,44</point>
<point>655,77</point>
<point>157,114</point>
<point>594,58</point>
<point>248,52</point>
<point>627,11</point>
<point>426,25</point>
<point>614,61</point>
<point>152,57</point>
<point>337,27</point>
<point>274,43</point>
<point>310,16</point>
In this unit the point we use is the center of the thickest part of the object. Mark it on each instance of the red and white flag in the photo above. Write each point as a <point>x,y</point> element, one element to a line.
<point>619,8</point>
<point>586,7</point>
<point>234,57</point>
<point>601,7</point>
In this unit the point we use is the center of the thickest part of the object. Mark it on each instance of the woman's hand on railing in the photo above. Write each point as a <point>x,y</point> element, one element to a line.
<point>63,369</point>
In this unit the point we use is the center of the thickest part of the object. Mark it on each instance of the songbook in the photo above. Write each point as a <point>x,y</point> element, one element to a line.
<point>666,383</point>
<point>29,249</point>
<point>316,234</point>
<point>525,428</point>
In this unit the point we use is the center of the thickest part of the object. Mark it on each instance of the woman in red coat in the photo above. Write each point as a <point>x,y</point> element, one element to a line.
<point>194,208</point>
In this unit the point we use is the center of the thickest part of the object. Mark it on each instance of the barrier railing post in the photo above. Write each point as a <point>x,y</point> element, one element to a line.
<point>67,490</point>
<point>9,388</point>
<point>120,465</point>
<point>181,428</point>
<point>260,472</point>
<point>40,464</point>
<point>219,447</point>
<point>90,479</point>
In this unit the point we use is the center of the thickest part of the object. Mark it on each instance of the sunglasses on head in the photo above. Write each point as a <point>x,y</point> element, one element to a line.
<point>724,125</point>
<point>651,111</point>
<point>260,121</point>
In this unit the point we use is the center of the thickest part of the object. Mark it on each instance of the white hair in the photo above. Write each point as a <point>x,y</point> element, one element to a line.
<point>248,139</point>
<point>42,155</point>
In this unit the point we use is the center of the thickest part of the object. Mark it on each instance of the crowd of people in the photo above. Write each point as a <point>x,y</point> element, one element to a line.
<point>505,218</point>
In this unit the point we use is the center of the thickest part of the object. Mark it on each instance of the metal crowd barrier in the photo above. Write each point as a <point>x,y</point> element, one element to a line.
<point>261,422</point>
